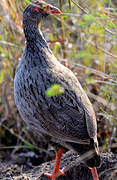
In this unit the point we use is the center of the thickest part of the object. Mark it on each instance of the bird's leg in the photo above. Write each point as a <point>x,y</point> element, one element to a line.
<point>56,170</point>
<point>94,174</point>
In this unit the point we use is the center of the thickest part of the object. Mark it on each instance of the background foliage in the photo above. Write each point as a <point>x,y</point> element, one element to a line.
<point>84,38</point>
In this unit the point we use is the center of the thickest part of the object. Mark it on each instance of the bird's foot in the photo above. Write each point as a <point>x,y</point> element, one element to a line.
<point>55,174</point>
<point>94,174</point>
<point>56,171</point>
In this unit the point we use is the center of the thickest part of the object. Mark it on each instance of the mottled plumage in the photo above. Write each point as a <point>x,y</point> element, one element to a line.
<point>67,119</point>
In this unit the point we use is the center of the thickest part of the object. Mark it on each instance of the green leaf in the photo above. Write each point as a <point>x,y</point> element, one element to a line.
<point>27,2</point>
<point>57,45</point>
<point>89,18</point>
<point>83,24</point>
<point>54,90</point>
<point>51,36</point>
<point>111,24</point>
<point>1,76</point>
<point>106,1</point>
<point>83,54</point>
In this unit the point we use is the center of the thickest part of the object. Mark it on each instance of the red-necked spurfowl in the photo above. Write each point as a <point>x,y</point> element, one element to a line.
<point>66,120</point>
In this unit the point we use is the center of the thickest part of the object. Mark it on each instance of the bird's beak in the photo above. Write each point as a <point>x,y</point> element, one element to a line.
<point>53,10</point>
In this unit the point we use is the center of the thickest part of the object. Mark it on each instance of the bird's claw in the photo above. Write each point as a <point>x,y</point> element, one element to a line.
<point>55,174</point>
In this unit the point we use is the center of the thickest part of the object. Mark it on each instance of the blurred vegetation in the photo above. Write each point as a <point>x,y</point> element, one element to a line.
<point>84,38</point>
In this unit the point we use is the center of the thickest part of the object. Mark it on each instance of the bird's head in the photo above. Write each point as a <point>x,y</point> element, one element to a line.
<point>39,9</point>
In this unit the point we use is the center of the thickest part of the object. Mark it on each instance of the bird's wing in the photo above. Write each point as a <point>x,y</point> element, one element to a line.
<point>69,81</point>
<point>76,98</point>
<point>68,116</point>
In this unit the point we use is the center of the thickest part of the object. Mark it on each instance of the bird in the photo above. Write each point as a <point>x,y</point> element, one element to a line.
<point>66,120</point>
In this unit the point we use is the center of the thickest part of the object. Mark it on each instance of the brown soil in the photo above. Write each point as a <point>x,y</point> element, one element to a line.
<point>74,169</point>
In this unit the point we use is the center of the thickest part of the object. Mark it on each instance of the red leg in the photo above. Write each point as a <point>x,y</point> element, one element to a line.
<point>56,170</point>
<point>94,174</point>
